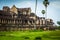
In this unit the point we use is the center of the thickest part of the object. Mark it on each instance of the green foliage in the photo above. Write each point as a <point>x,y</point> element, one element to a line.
<point>58,22</point>
<point>36,30</point>
<point>43,12</point>
<point>58,27</point>
<point>2,35</point>
<point>45,3</point>
<point>41,30</point>
<point>27,38</point>
<point>38,38</point>
<point>46,36</point>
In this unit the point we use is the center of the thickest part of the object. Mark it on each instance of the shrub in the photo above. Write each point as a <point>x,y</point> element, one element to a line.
<point>46,36</point>
<point>26,38</point>
<point>2,35</point>
<point>36,30</point>
<point>38,38</point>
<point>41,30</point>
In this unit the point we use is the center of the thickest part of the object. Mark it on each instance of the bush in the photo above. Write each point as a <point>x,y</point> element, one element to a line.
<point>2,35</point>
<point>58,27</point>
<point>41,30</point>
<point>36,30</point>
<point>46,36</point>
<point>26,38</point>
<point>38,38</point>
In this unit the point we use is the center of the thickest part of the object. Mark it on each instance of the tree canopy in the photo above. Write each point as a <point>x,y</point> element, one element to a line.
<point>58,22</point>
<point>43,11</point>
<point>45,3</point>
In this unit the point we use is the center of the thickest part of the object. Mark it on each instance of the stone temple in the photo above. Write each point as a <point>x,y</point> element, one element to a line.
<point>22,19</point>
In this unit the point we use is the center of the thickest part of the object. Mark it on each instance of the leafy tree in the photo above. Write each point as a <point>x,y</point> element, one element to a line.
<point>43,12</point>
<point>58,22</point>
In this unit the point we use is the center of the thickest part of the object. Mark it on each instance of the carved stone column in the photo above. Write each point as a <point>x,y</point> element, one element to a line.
<point>0,20</point>
<point>14,21</point>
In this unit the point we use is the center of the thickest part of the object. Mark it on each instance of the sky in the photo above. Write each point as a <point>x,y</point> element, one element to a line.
<point>53,9</point>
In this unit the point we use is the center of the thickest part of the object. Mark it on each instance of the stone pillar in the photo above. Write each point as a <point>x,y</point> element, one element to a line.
<point>40,22</point>
<point>21,21</point>
<point>32,22</point>
<point>43,22</point>
<point>14,21</point>
<point>8,21</point>
<point>34,25</point>
<point>17,21</point>
<point>11,21</point>
<point>28,22</point>
<point>4,21</point>
<point>0,20</point>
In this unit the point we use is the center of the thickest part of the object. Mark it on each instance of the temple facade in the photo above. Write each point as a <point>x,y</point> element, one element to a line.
<point>22,19</point>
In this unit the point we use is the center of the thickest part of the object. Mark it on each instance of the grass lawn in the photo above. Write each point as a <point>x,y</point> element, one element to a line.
<point>26,35</point>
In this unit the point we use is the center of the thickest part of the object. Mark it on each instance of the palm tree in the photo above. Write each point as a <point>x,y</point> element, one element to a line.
<point>43,12</point>
<point>35,12</point>
<point>46,3</point>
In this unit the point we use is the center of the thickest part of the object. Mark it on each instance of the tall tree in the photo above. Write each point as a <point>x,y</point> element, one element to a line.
<point>35,6</point>
<point>46,3</point>
<point>35,12</point>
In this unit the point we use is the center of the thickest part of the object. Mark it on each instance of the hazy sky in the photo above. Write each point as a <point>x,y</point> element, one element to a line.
<point>53,8</point>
